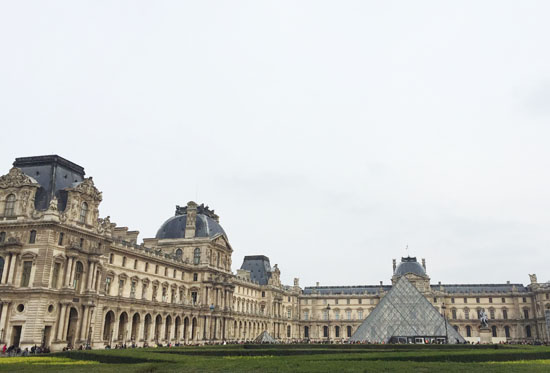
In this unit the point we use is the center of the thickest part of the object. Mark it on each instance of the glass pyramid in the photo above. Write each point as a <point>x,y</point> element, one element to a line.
<point>405,315</point>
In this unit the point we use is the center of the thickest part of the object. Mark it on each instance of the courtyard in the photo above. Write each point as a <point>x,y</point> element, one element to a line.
<point>294,358</point>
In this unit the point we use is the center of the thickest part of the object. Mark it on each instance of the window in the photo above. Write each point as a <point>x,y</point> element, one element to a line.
<point>195,277</point>
<point>503,300</point>
<point>124,261</point>
<point>111,258</point>
<point>60,240</point>
<point>494,330</point>
<point>348,315</point>
<point>348,301</point>
<point>82,242</point>
<point>360,301</point>
<point>507,331</point>
<point>465,300</point>
<point>263,294</point>
<point>120,287</point>
<point>453,312</point>
<point>526,313</point>
<point>133,289</point>
<point>360,315</point>
<point>197,256</point>
<point>155,290</point>
<point>452,300</point>
<point>164,296</point>
<point>524,300</point>
<point>349,331</point>
<point>528,331</point>
<point>108,285</point>
<point>10,206</point>
<point>306,331</point>
<point>324,301</point>
<point>505,314</point>
<point>135,263</point>
<point>173,296</point>
<point>83,212</point>
<point>325,315</point>
<point>194,297</point>
<point>55,274</point>
<point>435,299</point>
<point>337,332</point>
<point>26,275</point>
<point>336,301</point>
<point>146,267</point>
<point>492,313</point>
<point>1,266</point>
<point>156,269</point>
<point>467,314</point>
<point>325,331</point>
<point>32,237</point>
<point>477,300</point>
<point>166,271</point>
<point>490,300</point>
<point>179,253</point>
<point>468,331</point>
<point>288,331</point>
<point>547,295</point>
<point>306,315</point>
<point>143,291</point>
<point>337,315</point>
<point>289,312</point>
<point>78,276</point>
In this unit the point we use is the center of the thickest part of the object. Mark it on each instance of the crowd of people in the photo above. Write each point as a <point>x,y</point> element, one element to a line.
<point>17,351</point>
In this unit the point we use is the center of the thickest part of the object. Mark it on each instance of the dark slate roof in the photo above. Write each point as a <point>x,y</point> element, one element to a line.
<point>480,288</point>
<point>54,174</point>
<point>259,267</point>
<point>346,290</point>
<point>175,227</point>
<point>409,265</point>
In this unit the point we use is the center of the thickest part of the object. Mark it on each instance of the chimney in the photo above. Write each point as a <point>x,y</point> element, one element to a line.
<point>381,282</point>
<point>424,263</point>
<point>190,224</point>
<point>317,284</point>
<point>296,281</point>
<point>394,265</point>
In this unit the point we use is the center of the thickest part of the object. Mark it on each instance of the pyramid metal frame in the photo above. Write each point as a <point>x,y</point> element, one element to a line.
<point>405,312</point>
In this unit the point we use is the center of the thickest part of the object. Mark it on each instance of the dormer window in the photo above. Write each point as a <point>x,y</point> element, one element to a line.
<point>10,206</point>
<point>83,212</point>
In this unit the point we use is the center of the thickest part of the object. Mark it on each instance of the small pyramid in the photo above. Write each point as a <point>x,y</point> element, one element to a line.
<point>265,337</point>
<point>404,312</point>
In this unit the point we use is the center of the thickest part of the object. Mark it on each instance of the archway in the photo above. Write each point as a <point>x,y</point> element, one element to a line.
<point>108,326</point>
<point>158,323</point>
<point>177,329</point>
<point>167,327</point>
<point>122,327</point>
<point>147,327</point>
<point>186,329</point>
<point>135,327</point>
<point>71,328</point>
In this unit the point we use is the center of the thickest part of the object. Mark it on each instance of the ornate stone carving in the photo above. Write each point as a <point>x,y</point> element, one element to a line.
<point>16,178</point>
<point>87,187</point>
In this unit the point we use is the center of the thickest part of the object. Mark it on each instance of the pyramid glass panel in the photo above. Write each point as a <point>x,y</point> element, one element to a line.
<point>405,315</point>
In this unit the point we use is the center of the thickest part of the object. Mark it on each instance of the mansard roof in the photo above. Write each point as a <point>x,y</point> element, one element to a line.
<point>481,288</point>
<point>345,290</point>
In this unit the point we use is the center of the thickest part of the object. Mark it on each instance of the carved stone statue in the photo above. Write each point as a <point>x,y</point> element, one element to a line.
<point>484,319</point>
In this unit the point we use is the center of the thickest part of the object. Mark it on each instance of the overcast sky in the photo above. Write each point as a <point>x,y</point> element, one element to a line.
<point>326,135</point>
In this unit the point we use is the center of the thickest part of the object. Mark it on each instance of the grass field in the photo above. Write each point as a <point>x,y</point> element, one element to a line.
<point>293,358</point>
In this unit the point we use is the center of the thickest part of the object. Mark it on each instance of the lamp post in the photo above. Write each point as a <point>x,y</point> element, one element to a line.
<point>443,308</point>
<point>328,322</point>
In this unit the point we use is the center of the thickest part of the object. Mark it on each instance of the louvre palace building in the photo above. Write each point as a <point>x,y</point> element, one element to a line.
<point>70,277</point>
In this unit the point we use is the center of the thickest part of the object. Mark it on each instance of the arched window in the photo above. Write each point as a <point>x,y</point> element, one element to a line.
<point>453,313</point>
<point>494,330</point>
<point>349,331</point>
<point>492,313</point>
<point>507,331</point>
<point>83,212</point>
<point>337,331</point>
<point>179,253</point>
<point>468,331</point>
<point>528,331</point>
<point>505,314</point>
<point>325,331</point>
<point>78,276</point>
<point>10,205</point>
<point>32,236</point>
<point>197,256</point>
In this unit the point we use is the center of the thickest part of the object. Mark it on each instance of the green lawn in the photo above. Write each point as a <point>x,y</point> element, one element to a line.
<point>292,358</point>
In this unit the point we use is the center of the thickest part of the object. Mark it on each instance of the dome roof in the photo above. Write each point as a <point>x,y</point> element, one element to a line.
<point>175,227</point>
<point>409,265</point>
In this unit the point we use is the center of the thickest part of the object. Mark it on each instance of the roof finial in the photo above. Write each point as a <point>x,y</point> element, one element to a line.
<point>407,250</point>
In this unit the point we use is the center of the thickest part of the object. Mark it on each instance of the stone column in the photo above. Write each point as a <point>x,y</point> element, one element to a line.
<point>66,322</point>
<point>141,330</point>
<point>115,328</point>
<point>68,272</point>
<point>162,330</point>
<point>84,322</point>
<point>7,265</point>
<point>61,322</point>
<point>13,267</point>
<point>91,269</point>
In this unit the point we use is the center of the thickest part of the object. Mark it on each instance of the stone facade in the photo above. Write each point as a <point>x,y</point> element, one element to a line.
<point>70,277</point>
